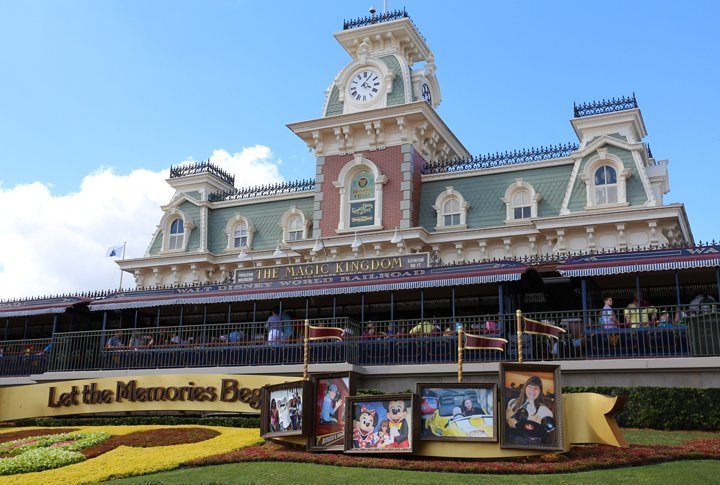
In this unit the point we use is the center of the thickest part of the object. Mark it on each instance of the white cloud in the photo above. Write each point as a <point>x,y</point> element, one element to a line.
<point>252,166</point>
<point>54,244</point>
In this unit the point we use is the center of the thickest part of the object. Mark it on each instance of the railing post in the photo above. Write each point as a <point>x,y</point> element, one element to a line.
<point>305,350</point>
<point>460,352</point>
<point>518,315</point>
<point>104,329</point>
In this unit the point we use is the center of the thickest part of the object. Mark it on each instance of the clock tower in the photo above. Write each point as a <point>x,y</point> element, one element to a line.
<point>379,127</point>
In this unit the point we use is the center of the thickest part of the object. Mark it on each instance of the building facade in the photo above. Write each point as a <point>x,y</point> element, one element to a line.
<point>392,178</point>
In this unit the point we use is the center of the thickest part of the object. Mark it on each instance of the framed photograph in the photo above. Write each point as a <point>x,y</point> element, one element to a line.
<point>284,411</point>
<point>458,412</point>
<point>531,407</point>
<point>381,424</point>
<point>328,423</point>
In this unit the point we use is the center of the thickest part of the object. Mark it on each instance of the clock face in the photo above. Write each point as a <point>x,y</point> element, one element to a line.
<point>365,85</point>
<point>425,92</point>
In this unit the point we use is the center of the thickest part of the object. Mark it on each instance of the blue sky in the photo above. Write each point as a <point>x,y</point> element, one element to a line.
<point>129,85</point>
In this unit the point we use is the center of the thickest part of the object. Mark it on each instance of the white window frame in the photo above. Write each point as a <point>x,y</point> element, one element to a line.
<point>293,214</point>
<point>602,158</point>
<point>520,186</point>
<point>446,196</point>
<point>343,184</point>
<point>232,226</point>
<point>166,223</point>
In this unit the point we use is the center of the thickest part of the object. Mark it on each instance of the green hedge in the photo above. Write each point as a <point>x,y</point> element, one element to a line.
<point>233,422</point>
<point>668,408</point>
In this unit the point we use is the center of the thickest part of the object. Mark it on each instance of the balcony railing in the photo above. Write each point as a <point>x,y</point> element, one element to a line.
<point>674,331</point>
<point>24,357</point>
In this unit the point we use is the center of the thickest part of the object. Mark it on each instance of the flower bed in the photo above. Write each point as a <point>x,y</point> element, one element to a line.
<point>43,452</point>
<point>579,458</point>
<point>140,454</point>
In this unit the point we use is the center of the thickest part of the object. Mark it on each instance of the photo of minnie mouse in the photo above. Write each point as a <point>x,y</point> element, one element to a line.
<point>380,424</point>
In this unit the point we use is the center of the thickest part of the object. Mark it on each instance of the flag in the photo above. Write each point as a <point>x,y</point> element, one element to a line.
<point>115,252</point>
<point>480,342</point>
<point>321,333</point>
<point>540,328</point>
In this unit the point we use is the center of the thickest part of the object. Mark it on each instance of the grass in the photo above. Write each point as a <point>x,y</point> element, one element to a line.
<point>704,471</point>
<point>655,437</point>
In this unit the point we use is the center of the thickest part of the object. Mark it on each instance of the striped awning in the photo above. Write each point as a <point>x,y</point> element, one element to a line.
<point>40,306</point>
<point>456,275</point>
<point>636,261</point>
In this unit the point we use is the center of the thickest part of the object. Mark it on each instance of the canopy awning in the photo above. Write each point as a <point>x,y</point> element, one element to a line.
<point>40,306</point>
<point>466,274</point>
<point>636,261</point>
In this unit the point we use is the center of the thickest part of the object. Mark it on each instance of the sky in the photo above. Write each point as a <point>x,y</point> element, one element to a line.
<point>99,98</point>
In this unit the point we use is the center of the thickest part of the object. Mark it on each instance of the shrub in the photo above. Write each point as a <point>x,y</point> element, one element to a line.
<point>668,408</point>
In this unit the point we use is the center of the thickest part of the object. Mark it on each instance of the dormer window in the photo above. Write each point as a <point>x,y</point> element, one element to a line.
<point>239,233</point>
<point>605,178</point>
<point>606,188</point>
<point>451,209</point>
<point>240,237</point>
<point>521,202</point>
<point>451,212</point>
<point>294,225</point>
<point>295,229</point>
<point>177,234</point>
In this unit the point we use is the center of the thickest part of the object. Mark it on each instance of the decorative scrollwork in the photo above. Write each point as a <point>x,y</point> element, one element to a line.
<point>604,106</point>
<point>263,190</point>
<point>500,159</point>
<point>201,167</point>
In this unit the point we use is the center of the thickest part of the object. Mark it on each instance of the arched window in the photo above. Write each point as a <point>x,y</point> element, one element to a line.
<point>605,178</point>
<point>451,212</point>
<point>239,232</point>
<point>521,202</point>
<point>451,209</point>
<point>177,234</point>
<point>240,236</point>
<point>294,225</point>
<point>295,228</point>
<point>606,187</point>
<point>360,185</point>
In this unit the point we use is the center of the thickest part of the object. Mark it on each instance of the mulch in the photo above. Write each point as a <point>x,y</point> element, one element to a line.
<point>579,458</point>
<point>155,437</point>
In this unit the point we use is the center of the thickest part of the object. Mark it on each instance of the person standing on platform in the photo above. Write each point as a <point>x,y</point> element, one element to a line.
<point>275,327</point>
<point>607,316</point>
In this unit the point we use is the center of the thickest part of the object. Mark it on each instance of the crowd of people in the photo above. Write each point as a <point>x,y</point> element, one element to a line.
<point>640,312</point>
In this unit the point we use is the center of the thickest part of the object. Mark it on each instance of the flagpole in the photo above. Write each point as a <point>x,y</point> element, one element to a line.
<point>121,271</point>
<point>518,313</point>
<point>305,350</point>
<point>460,352</point>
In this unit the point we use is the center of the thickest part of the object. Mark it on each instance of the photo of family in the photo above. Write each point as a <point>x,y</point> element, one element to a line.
<point>457,412</point>
<point>283,411</point>
<point>531,401</point>
<point>380,424</point>
<point>329,415</point>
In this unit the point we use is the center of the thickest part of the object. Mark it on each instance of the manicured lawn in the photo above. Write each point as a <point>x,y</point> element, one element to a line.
<point>655,437</point>
<point>686,472</point>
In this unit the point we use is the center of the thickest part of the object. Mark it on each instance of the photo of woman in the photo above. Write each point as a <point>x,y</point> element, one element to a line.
<point>531,401</point>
